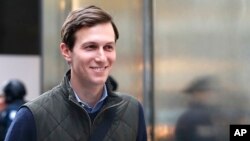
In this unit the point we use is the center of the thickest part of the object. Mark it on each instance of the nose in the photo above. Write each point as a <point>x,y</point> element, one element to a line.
<point>101,56</point>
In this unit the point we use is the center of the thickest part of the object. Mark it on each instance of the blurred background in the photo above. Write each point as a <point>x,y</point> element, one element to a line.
<point>164,47</point>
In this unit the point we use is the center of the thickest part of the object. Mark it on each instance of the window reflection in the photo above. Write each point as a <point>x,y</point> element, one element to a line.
<point>194,39</point>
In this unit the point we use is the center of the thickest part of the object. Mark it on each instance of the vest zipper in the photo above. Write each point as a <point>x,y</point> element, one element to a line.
<point>103,112</point>
<point>89,120</point>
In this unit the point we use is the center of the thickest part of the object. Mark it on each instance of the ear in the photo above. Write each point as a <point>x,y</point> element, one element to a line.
<point>66,53</point>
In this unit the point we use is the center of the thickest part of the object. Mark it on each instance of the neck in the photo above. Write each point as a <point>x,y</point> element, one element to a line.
<point>88,94</point>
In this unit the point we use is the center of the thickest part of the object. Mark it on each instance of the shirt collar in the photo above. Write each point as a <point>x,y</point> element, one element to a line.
<point>97,106</point>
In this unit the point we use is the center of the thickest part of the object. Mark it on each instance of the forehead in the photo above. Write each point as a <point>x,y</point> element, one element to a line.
<point>102,32</point>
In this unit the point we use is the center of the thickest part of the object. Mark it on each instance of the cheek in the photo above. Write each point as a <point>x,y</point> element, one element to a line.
<point>113,57</point>
<point>79,60</point>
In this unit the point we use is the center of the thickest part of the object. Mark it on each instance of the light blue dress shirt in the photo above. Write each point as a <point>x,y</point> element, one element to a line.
<point>97,106</point>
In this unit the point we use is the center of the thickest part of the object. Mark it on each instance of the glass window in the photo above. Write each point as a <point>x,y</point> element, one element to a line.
<point>202,47</point>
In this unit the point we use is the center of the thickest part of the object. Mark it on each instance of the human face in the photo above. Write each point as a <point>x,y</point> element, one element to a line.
<point>93,54</point>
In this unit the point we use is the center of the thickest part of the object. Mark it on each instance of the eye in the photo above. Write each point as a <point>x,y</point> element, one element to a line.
<point>90,47</point>
<point>109,47</point>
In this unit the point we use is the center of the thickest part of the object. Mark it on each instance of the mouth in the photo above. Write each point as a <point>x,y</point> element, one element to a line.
<point>99,69</point>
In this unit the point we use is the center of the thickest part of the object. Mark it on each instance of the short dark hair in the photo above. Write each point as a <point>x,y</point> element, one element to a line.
<point>84,17</point>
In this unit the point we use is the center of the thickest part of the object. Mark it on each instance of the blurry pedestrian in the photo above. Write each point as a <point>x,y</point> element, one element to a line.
<point>13,93</point>
<point>83,107</point>
<point>2,108</point>
<point>2,101</point>
<point>196,123</point>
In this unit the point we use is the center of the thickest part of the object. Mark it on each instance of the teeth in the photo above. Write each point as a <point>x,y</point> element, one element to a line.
<point>99,68</point>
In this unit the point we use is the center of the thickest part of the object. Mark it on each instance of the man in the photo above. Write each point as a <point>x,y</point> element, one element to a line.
<point>82,107</point>
<point>196,124</point>
<point>13,93</point>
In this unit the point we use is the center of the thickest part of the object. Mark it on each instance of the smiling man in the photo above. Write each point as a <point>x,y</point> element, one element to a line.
<point>83,107</point>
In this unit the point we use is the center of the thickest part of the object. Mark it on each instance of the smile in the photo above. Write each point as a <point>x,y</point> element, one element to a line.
<point>99,69</point>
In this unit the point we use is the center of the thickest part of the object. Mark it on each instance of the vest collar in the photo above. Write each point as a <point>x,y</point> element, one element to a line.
<point>112,98</point>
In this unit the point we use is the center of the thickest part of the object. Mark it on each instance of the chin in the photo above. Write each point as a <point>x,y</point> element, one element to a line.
<point>99,81</point>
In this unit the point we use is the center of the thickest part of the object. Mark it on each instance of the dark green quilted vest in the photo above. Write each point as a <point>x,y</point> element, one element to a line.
<point>59,117</point>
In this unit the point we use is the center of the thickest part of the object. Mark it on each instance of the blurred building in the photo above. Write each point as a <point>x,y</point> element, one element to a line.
<point>189,38</point>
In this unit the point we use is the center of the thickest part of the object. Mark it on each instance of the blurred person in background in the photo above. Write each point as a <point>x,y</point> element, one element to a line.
<point>196,124</point>
<point>2,108</point>
<point>13,93</point>
<point>2,101</point>
<point>83,107</point>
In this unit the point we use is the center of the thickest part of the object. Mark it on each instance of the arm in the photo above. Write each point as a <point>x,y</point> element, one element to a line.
<point>142,132</point>
<point>23,127</point>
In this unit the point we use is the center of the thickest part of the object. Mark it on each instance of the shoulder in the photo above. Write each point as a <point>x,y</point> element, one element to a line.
<point>24,124</point>
<point>135,108</point>
<point>129,98</point>
<point>46,99</point>
<point>24,115</point>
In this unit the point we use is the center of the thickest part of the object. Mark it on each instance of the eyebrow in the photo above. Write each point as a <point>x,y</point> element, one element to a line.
<point>91,42</point>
